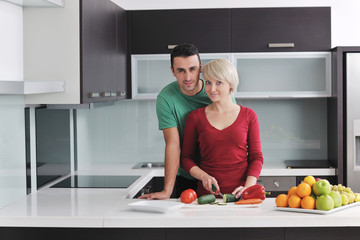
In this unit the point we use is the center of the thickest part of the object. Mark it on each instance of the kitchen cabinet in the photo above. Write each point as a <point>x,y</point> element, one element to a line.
<point>157,31</point>
<point>261,75</point>
<point>280,29</point>
<point>103,51</point>
<point>83,44</point>
<point>151,72</point>
<point>283,75</point>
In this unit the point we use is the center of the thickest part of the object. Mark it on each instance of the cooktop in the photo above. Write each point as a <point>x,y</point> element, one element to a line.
<point>96,181</point>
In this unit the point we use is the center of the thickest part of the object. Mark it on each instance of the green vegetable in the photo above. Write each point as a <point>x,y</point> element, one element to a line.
<point>209,198</point>
<point>230,198</point>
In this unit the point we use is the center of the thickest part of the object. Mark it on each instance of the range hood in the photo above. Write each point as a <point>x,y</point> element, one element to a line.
<point>38,3</point>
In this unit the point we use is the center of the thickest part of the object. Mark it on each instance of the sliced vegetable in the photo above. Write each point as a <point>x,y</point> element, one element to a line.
<point>209,198</point>
<point>230,198</point>
<point>222,204</point>
<point>249,201</point>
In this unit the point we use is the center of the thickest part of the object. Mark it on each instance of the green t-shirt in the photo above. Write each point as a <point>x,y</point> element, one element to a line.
<point>173,107</point>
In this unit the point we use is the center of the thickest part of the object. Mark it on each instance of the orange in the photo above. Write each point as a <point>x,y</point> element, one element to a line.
<point>308,202</point>
<point>310,180</point>
<point>294,201</point>
<point>292,191</point>
<point>282,200</point>
<point>303,190</point>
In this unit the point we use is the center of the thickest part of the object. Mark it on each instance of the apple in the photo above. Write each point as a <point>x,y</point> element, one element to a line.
<point>324,202</point>
<point>337,198</point>
<point>318,179</point>
<point>322,187</point>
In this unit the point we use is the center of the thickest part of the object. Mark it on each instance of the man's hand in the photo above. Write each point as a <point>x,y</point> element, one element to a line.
<point>155,195</point>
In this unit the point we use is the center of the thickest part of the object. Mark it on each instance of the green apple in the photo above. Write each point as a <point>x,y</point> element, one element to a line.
<point>322,187</point>
<point>337,198</point>
<point>324,202</point>
<point>345,199</point>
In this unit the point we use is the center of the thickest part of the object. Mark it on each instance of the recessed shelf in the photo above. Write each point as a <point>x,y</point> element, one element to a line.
<point>38,3</point>
<point>23,87</point>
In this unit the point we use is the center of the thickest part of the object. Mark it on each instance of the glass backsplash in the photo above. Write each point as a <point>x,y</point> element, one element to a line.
<point>12,149</point>
<point>291,129</point>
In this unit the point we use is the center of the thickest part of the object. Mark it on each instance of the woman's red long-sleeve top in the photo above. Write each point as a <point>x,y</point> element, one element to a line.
<point>229,155</point>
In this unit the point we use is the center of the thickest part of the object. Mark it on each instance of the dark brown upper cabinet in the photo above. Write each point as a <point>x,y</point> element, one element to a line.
<point>157,31</point>
<point>280,29</point>
<point>103,51</point>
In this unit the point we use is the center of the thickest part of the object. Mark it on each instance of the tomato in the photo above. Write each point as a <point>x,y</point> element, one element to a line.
<point>188,196</point>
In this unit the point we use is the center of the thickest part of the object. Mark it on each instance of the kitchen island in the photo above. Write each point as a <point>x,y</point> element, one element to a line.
<point>94,213</point>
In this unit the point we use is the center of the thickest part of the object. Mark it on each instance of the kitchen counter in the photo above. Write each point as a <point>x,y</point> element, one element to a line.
<point>108,208</point>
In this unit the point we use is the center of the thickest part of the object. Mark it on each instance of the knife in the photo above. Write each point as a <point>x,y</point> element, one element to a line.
<point>214,190</point>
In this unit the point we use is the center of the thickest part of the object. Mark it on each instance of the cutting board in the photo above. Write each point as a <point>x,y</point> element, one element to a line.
<point>194,205</point>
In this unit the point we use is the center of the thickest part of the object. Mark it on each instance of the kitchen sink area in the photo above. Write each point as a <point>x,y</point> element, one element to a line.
<point>149,165</point>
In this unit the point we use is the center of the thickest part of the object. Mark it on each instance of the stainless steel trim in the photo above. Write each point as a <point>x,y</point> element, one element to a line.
<point>106,94</point>
<point>94,95</point>
<point>281,45</point>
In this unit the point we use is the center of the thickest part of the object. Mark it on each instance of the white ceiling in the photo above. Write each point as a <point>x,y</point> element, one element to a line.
<point>186,4</point>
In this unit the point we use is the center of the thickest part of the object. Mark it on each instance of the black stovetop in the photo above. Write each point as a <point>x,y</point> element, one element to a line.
<point>96,181</point>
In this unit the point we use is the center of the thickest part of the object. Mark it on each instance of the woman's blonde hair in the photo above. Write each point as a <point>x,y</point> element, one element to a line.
<point>221,70</point>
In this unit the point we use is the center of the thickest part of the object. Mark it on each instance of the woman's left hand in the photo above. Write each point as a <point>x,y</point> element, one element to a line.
<point>238,191</point>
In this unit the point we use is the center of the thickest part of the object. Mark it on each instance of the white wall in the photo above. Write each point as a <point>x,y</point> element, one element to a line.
<point>345,17</point>
<point>11,42</point>
<point>12,128</point>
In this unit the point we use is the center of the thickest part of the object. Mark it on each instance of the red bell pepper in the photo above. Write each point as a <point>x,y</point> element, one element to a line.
<point>256,191</point>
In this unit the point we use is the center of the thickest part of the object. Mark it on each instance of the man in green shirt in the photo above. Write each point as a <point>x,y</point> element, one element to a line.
<point>173,105</point>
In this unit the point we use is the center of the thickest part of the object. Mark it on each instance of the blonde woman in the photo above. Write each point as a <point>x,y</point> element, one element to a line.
<point>226,135</point>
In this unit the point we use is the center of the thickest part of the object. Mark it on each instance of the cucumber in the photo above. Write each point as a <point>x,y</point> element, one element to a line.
<point>230,198</point>
<point>209,198</point>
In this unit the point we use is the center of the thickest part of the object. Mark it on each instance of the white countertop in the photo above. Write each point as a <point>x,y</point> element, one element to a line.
<point>98,208</point>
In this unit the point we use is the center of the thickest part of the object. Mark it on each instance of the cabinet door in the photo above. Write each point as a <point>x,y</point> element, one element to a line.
<point>300,29</point>
<point>156,30</point>
<point>225,233</point>
<point>150,73</point>
<point>283,75</point>
<point>98,51</point>
<point>122,57</point>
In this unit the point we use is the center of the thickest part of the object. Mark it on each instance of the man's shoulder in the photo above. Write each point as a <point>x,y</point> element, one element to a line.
<point>169,89</point>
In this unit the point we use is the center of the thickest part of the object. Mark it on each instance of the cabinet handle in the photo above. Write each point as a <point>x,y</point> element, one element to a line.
<point>105,94</point>
<point>170,47</point>
<point>94,95</point>
<point>281,45</point>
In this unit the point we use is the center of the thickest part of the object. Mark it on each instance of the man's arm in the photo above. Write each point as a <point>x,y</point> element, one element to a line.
<point>172,160</point>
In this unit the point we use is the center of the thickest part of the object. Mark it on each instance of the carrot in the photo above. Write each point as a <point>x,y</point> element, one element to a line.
<point>249,201</point>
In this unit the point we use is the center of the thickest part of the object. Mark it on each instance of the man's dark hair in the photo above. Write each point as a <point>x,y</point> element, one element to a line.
<point>184,50</point>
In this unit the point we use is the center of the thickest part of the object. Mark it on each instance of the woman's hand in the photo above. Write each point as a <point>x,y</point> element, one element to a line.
<point>250,180</point>
<point>208,181</point>
<point>238,191</point>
